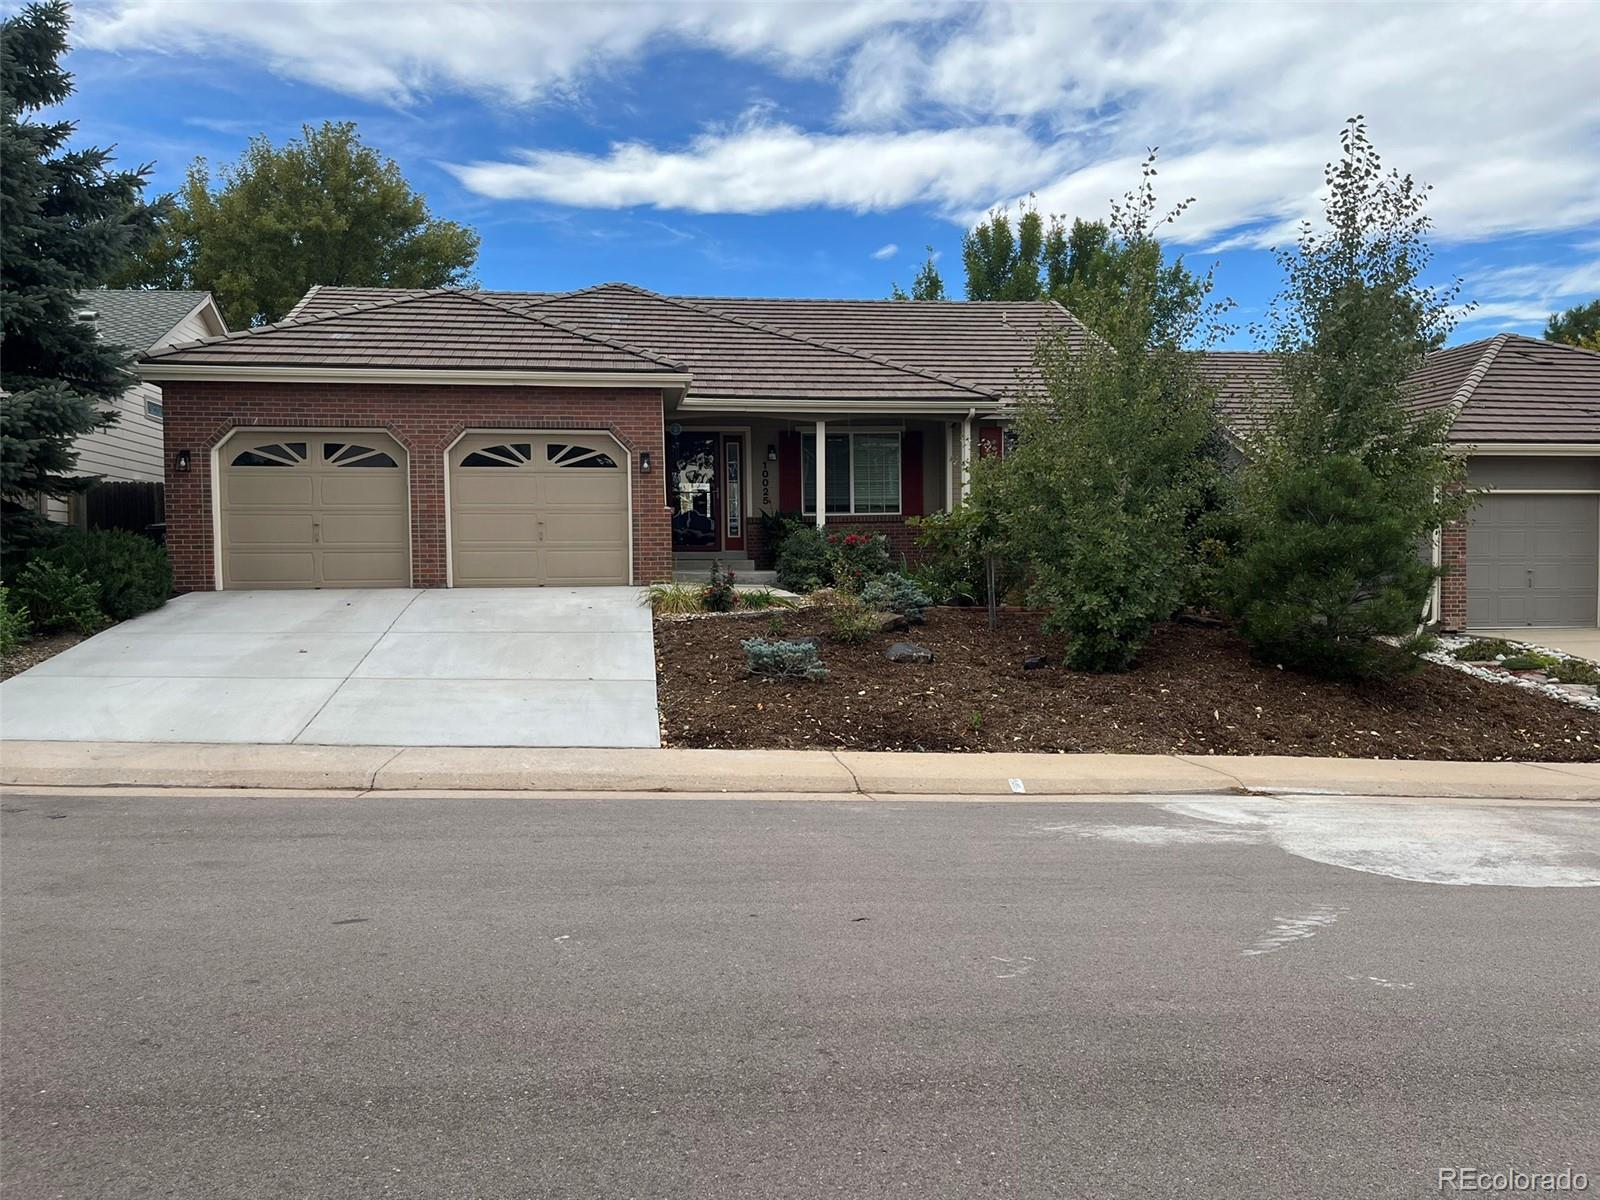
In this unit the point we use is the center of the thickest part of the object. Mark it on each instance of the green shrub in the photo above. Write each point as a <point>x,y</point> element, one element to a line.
<point>1529,661</point>
<point>1484,650</point>
<point>130,573</point>
<point>14,627</point>
<point>955,546</point>
<point>897,594</point>
<point>58,599</point>
<point>790,660</point>
<point>850,621</point>
<point>803,562</point>
<point>1575,670</point>
<point>759,598</point>
<point>720,595</point>
<point>857,558</point>
<point>674,599</point>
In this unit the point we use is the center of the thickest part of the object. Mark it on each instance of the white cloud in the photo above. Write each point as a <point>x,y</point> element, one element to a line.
<point>886,252</point>
<point>759,168</point>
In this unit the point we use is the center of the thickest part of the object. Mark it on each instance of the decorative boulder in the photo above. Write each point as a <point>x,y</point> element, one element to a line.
<point>1037,663</point>
<point>908,652</point>
<point>888,621</point>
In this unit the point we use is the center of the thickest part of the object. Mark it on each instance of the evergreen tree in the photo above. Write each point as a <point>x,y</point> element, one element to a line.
<point>928,285</point>
<point>1346,484</point>
<point>67,219</point>
<point>1577,326</point>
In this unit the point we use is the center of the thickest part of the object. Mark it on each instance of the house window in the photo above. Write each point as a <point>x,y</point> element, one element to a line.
<point>863,473</point>
<point>153,409</point>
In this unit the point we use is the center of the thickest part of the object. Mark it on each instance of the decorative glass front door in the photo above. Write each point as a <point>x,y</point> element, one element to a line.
<point>694,491</point>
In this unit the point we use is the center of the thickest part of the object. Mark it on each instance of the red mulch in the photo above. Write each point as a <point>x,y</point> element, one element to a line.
<point>1194,690</point>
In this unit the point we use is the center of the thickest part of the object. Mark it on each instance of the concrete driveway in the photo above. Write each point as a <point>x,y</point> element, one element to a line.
<point>1582,641</point>
<point>464,667</point>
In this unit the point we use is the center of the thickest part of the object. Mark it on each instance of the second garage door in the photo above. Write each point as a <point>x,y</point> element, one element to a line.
<point>1532,560</point>
<point>535,509</point>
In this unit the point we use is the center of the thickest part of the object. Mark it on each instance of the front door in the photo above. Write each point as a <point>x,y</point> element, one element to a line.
<point>694,490</point>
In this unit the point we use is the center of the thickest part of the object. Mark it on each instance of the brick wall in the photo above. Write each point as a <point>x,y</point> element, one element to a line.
<point>424,419</point>
<point>1453,587</point>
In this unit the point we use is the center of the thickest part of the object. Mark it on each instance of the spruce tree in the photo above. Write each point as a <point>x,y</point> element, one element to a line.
<point>67,221</point>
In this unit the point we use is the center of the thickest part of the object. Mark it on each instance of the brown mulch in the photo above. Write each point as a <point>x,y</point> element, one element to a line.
<point>34,651</point>
<point>1194,690</point>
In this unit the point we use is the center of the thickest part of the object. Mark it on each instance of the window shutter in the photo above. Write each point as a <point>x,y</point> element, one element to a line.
<point>911,472</point>
<point>789,468</point>
<point>991,444</point>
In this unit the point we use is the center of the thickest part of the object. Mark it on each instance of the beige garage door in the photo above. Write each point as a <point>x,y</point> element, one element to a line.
<point>534,509</point>
<point>308,508</point>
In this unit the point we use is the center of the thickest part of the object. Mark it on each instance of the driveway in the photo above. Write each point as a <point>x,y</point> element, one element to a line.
<point>1582,641</point>
<point>462,667</point>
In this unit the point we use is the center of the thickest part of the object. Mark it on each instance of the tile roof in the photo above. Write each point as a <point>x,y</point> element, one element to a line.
<point>420,330</point>
<point>138,318</point>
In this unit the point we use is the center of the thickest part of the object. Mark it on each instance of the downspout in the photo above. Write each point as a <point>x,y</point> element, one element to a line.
<point>966,452</point>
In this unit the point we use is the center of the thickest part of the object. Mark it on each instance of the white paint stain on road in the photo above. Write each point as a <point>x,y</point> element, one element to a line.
<point>1010,968</point>
<point>1296,928</point>
<point>1447,844</point>
<point>1383,983</point>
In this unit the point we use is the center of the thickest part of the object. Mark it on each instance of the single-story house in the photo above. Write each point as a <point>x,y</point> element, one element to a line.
<point>130,449</point>
<point>608,435</point>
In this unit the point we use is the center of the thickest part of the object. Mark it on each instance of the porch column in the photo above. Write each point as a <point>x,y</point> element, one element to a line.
<point>822,473</point>
<point>966,456</point>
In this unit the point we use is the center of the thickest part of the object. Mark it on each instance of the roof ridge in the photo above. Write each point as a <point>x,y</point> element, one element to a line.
<point>286,323</point>
<point>779,331</point>
<point>1463,394</point>
<point>564,327</point>
<point>302,302</point>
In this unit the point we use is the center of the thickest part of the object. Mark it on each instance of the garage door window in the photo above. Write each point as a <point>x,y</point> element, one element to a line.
<point>348,454</point>
<point>279,454</point>
<point>577,456</point>
<point>514,454</point>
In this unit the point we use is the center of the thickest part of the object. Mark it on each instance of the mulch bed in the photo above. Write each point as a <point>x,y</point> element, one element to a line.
<point>1195,690</point>
<point>34,651</point>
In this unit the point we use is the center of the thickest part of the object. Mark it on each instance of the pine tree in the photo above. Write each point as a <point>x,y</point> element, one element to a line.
<point>67,221</point>
<point>928,284</point>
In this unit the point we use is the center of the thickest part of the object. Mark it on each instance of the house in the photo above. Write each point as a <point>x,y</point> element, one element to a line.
<point>612,435</point>
<point>131,447</point>
<point>1526,413</point>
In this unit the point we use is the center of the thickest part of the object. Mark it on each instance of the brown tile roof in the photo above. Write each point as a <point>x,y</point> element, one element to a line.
<point>1530,390</point>
<point>420,330</point>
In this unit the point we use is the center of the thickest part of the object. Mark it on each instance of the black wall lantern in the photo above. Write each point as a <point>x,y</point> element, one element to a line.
<point>644,462</point>
<point>180,462</point>
<point>772,452</point>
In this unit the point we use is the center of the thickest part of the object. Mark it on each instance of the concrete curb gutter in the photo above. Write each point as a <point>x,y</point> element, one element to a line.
<point>807,772</point>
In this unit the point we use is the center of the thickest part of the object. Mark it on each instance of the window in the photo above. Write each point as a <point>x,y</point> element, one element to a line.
<point>863,473</point>
<point>347,454</point>
<point>279,454</point>
<point>515,454</point>
<point>154,410</point>
<point>577,456</point>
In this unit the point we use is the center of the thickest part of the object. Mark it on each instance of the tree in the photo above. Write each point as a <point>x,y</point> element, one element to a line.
<point>928,285</point>
<point>324,209</point>
<point>1112,457</point>
<point>1346,483</point>
<point>66,220</point>
<point>1578,326</point>
<point>1006,265</point>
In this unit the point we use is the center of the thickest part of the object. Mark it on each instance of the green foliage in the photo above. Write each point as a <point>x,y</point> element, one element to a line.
<point>57,598</point>
<point>850,622</point>
<point>1484,650</point>
<point>776,626</point>
<point>783,660</point>
<point>1003,263</point>
<point>1529,660</point>
<point>1577,326</point>
<point>323,209</point>
<point>66,220</point>
<point>803,561</point>
<point>955,547</point>
<point>131,573</point>
<point>1344,483</point>
<point>856,559</point>
<point>1113,458</point>
<point>1575,670</point>
<point>760,598</point>
<point>674,599</point>
<point>928,285</point>
<point>14,625</point>
<point>720,595</point>
<point>897,594</point>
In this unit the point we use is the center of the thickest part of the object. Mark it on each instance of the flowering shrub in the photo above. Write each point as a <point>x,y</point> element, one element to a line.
<point>857,558</point>
<point>720,594</point>
<point>810,558</point>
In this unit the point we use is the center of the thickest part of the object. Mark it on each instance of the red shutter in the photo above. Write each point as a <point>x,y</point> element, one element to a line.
<point>911,472</point>
<point>990,442</point>
<point>789,468</point>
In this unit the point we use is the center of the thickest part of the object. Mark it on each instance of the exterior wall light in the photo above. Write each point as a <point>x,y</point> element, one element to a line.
<point>644,462</point>
<point>180,462</point>
<point>772,452</point>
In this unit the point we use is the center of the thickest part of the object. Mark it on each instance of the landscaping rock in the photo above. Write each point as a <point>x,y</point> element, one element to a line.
<point>908,652</point>
<point>1037,663</point>
<point>888,622</point>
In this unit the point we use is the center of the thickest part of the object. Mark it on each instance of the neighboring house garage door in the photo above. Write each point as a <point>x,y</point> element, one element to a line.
<point>1532,560</point>
<point>529,509</point>
<point>309,508</point>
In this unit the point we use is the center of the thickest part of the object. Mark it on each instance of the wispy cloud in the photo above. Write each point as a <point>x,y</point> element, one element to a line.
<point>886,252</point>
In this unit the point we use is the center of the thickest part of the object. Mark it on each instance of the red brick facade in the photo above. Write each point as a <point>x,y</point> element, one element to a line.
<point>1453,587</point>
<point>425,419</point>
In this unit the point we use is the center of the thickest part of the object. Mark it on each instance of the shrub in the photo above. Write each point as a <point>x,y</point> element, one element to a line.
<point>13,622</point>
<point>720,594</point>
<point>850,621</point>
<point>1529,661</point>
<point>759,598</point>
<point>1484,650</point>
<point>803,562</point>
<point>130,573</point>
<point>58,599</point>
<point>897,594</point>
<point>856,559</point>
<point>674,599</point>
<point>955,547</point>
<point>790,660</point>
<point>1574,670</point>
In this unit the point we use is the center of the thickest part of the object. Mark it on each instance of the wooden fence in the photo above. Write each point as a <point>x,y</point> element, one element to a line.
<point>125,505</point>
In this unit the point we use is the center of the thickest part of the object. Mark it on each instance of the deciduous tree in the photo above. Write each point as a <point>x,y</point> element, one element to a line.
<point>1577,326</point>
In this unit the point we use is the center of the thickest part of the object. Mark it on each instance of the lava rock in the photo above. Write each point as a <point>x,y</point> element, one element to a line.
<point>908,652</point>
<point>1037,663</point>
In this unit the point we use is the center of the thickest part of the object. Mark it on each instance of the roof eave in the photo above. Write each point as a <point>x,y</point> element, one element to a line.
<point>170,372</point>
<point>830,406</point>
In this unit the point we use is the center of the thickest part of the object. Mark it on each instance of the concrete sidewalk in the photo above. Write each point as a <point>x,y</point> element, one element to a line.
<point>456,768</point>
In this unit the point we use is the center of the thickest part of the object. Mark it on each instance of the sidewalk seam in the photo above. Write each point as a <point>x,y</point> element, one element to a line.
<point>387,629</point>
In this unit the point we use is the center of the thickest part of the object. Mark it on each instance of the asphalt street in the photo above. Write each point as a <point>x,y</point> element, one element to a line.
<point>487,998</point>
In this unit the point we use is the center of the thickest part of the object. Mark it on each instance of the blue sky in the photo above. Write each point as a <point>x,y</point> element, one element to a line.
<point>816,149</point>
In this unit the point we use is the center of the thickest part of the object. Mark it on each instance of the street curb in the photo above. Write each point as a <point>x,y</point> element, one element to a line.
<point>813,772</point>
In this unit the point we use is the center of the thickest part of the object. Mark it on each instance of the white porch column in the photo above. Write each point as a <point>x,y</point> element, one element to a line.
<point>822,473</point>
<point>966,456</point>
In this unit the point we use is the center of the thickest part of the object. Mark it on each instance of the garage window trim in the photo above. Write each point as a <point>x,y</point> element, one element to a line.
<point>863,473</point>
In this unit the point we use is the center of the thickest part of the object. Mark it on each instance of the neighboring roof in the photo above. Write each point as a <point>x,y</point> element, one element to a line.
<point>418,331</point>
<point>139,318</point>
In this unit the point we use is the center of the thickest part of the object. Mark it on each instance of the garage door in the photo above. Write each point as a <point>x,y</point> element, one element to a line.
<point>308,508</point>
<point>531,509</point>
<point>1532,560</point>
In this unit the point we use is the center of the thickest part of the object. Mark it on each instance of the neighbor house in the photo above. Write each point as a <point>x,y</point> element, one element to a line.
<point>612,435</point>
<point>130,449</point>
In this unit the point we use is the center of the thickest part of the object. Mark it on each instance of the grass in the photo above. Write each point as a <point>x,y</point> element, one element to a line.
<point>759,598</point>
<point>675,599</point>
